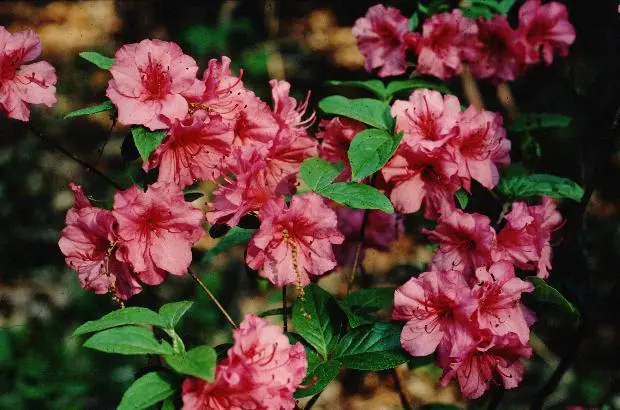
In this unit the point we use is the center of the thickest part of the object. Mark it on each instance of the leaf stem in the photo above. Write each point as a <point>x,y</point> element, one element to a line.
<point>284,314</point>
<point>313,400</point>
<point>213,298</point>
<point>399,388</point>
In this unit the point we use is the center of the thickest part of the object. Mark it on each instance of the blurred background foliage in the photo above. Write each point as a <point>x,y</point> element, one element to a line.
<point>307,42</point>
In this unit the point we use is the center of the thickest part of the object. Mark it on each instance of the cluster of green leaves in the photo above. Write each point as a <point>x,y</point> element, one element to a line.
<point>516,183</point>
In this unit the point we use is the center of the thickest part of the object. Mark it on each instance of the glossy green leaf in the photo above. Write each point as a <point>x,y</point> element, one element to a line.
<point>358,305</point>
<point>235,236</point>
<point>148,390</point>
<point>168,404</point>
<point>372,112</point>
<point>318,377</point>
<point>374,86</point>
<point>317,173</point>
<point>147,141</point>
<point>462,197</point>
<point>370,150</point>
<point>534,121</point>
<point>414,22</point>
<point>173,312</point>
<point>548,294</point>
<point>372,347</point>
<point>273,312</point>
<point>122,317</point>
<point>97,59</point>
<point>128,340</point>
<point>357,195</point>
<point>94,109</point>
<point>198,362</point>
<point>540,185</point>
<point>318,319</point>
<point>415,83</point>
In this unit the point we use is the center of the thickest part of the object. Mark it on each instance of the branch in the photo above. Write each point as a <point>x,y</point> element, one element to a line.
<point>213,298</point>
<point>399,388</point>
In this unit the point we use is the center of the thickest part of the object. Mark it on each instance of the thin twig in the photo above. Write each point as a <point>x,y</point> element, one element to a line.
<point>313,400</point>
<point>399,388</point>
<point>284,314</point>
<point>213,298</point>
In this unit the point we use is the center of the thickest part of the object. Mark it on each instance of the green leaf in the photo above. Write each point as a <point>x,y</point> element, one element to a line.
<point>94,109</point>
<point>548,294</point>
<point>372,347</point>
<point>198,362</point>
<point>168,404</point>
<point>192,196</point>
<point>370,150</point>
<point>497,6</point>
<point>414,21</point>
<point>146,391</point>
<point>318,319</point>
<point>318,378</point>
<point>539,185</point>
<point>358,196</point>
<point>476,11</point>
<point>372,112</point>
<point>147,141</point>
<point>462,198</point>
<point>358,305</point>
<point>273,312</point>
<point>318,173</point>
<point>374,86</point>
<point>236,236</point>
<point>173,312</point>
<point>128,340</point>
<point>122,317</point>
<point>414,83</point>
<point>97,59</point>
<point>534,121</point>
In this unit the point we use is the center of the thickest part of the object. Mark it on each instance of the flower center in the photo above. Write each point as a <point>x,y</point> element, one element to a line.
<point>156,80</point>
<point>10,64</point>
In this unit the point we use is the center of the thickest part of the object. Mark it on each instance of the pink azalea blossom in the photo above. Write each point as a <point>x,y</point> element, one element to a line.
<point>157,229</point>
<point>427,118</point>
<point>336,136</point>
<point>487,359</point>
<point>466,241</point>
<point>418,176</point>
<point>499,56</point>
<point>499,291</point>
<point>381,230</point>
<point>89,242</point>
<point>481,147</point>
<point>150,79</point>
<point>544,30</point>
<point>432,304</point>
<point>255,124</point>
<point>294,242</point>
<point>22,84</point>
<point>261,372</point>
<point>380,38</point>
<point>446,39</point>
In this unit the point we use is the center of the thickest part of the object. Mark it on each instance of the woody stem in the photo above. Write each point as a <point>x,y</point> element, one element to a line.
<point>213,298</point>
<point>284,314</point>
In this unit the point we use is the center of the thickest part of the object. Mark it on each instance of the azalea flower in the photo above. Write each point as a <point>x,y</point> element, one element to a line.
<point>294,242</point>
<point>22,84</point>
<point>255,124</point>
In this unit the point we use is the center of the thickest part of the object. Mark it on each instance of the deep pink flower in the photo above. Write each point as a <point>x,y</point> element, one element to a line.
<point>22,84</point>
<point>432,304</point>
<point>294,242</point>
<point>499,291</point>
<point>499,56</point>
<point>544,30</point>
<point>261,372</point>
<point>381,230</point>
<point>194,149</point>
<point>380,38</point>
<point>151,79</point>
<point>288,113</point>
<point>446,39</point>
<point>89,242</point>
<point>418,176</point>
<point>336,136</point>
<point>466,241</point>
<point>481,147</point>
<point>488,358</point>
<point>157,229</point>
<point>427,118</point>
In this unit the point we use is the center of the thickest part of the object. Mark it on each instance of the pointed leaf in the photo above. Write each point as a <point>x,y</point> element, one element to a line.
<point>235,236</point>
<point>372,112</point>
<point>359,304</point>
<point>94,109</point>
<point>173,312</point>
<point>97,59</point>
<point>415,83</point>
<point>374,86</point>
<point>414,21</point>
<point>128,340</point>
<point>358,196</point>
<point>146,391</point>
<point>462,198</point>
<point>121,317</point>
<point>370,150</point>
<point>548,294</point>
<point>147,141</point>
<point>198,362</point>
<point>540,185</point>
<point>535,121</point>
<point>318,173</point>
<point>318,378</point>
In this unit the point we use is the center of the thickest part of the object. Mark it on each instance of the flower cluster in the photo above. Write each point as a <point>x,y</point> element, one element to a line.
<point>262,371</point>
<point>492,47</point>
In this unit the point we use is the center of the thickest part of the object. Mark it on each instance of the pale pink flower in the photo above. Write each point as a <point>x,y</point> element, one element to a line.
<point>261,372</point>
<point>499,56</point>
<point>481,147</point>
<point>380,38</point>
<point>22,84</point>
<point>487,359</point>
<point>433,304</point>
<point>381,230</point>
<point>336,136</point>
<point>255,124</point>
<point>89,242</point>
<point>294,242</point>
<point>427,118</point>
<point>288,113</point>
<point>194,149</point>
<point>466,241</point>
<point>150,79</point>
<point>544,30</point>
<point>417,176</point>
<point>157,229</point>
<point>446,39</point>
<point>499,292</point>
